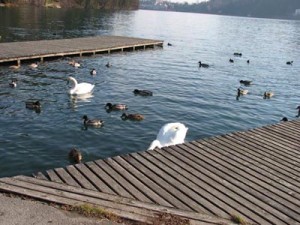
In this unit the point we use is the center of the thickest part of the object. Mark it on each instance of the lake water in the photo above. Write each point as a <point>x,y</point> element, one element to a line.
<point>203,99</point>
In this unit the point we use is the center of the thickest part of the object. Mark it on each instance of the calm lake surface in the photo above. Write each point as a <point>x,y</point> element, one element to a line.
<point>203,99</point>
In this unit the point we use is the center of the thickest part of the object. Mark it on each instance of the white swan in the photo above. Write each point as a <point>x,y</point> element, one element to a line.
<point>80,89</point>
<point>169,134</point>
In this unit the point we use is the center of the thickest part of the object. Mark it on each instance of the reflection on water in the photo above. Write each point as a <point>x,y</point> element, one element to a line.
<point>202,99</point>
<point>76,100</point>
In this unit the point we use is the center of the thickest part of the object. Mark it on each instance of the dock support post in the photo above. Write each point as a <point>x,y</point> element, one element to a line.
<point>19,62</point>
<point>42,59</point>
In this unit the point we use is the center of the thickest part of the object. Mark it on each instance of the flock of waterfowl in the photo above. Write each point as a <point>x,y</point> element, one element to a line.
<point>243,91</point>
<point>169,134</point>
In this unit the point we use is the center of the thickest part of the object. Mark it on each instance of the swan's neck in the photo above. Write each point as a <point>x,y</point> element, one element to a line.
<point>74,84</point>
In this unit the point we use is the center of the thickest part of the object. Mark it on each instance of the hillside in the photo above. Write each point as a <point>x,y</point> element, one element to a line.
<point>96,4</point>
<point>252,8</point>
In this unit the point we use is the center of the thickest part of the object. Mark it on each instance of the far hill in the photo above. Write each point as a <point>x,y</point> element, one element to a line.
<point>287,9</point>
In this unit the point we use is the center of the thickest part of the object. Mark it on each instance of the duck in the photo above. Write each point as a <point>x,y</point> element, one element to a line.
<point>15,67</point>
<point>93,122</point>
<point>33,105</point>
<point>33,65</point>
<point>237,54</point>
<point>284,119</point>
<point>108,65</point>
<point>231,60</point>
<point>204,65</point>
<point>169,134</point>
<point>246,82</point>
<point>243,91</point>
<point>248,61</point>
<point>298,111</point>
<point>169,44</point>
<point>93,72</point>
<point>268,94</point>
<point>13,83</point>
<point>137,117</point>
<point>110,106</point>
<point>74,63</point>
<point>75,155</point>
<point>81,88</point>
<point>289,62</point>
<point>142,92</point>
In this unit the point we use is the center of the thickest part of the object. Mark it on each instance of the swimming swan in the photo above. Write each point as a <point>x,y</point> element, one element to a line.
<point>80,89</point>
<point>169,134</point>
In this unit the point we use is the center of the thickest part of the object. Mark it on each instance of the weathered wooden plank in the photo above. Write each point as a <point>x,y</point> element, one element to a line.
<point>118,189</point>
<point>70,201</point>
<point>40,175</point>
<point>253,208</point>
<point>264,148</point>
<point>187,195</point>
<point>278,138</point>
<point>53,176</point>
<point>136,193</point>
<point>247,188</point>
<point>251,175</point>
<point>179,198</point>
<point>123,200</point>
<point>67,47</point>
<point>80,178</point>
<point>209,202</point>
<point>227,191</point>
<point>94,179</point>
<point>128,172</point>
<point>151,183</point>
<point>66,177</point>
<point>64,190</point>
<point>260,160</point>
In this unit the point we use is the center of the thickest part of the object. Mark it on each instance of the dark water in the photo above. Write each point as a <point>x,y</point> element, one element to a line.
<point>203,99</point>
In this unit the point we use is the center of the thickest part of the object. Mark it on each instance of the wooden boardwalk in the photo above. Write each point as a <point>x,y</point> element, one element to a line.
<point>15,52</point>
<point>253,174</point>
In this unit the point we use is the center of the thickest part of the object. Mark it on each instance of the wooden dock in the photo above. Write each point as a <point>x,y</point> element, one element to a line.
<point>16,52</point>
<point>254,175</point>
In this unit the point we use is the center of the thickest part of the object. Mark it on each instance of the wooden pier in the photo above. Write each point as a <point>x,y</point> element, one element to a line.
<point>16,52</point>
<point>254,175</point>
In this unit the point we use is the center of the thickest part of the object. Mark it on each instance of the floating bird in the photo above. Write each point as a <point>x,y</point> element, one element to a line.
<point>81,88</point>
<point>298,111</point>
<point>13,83</point>
<point>169,134</point>
<point>110,106</point>
<point>169,44</point>
<point>33,65</point>
<point>108,65</point>
<point>15,67</point>
<point>74,63</point>
<point>248,61</point>
<point>242,92</point>
<point>93,72</point>
<point>246,82</point>
<point>237,54</point>
<point>137,117</point>
<point>142,92</point>
<point>93,122</point>
<point>231,60</point>
<point>284,119</point>
<point>268,94</point>
<point>75,155</point>
<point>204,65</point>
<point>33,105</point>
<point>289,62</point>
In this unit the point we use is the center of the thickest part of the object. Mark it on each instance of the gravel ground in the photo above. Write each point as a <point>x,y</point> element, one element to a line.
<point>18,211</point>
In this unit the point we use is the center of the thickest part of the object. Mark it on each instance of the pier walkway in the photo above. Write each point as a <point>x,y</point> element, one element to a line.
<point>252,175</point>
<point>16,52</point>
